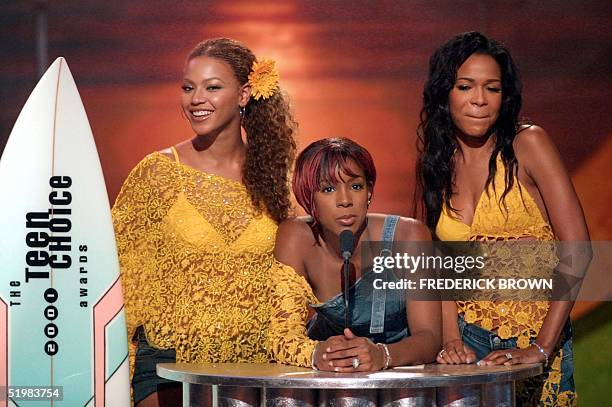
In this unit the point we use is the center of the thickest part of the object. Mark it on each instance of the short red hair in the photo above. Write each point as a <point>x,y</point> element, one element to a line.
<point>319,164</point>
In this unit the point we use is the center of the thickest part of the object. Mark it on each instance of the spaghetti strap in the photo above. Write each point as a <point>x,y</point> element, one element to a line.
<point>175,153</point>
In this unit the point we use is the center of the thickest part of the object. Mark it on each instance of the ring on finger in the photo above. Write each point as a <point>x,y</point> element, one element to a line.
<point>441,353</point>
<point>508,355</point>
<point>356,363</point>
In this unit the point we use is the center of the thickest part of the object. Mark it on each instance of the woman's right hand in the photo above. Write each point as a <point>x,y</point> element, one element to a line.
<point>320,360</point>
<point>456,352</point>
<point>337,354</point>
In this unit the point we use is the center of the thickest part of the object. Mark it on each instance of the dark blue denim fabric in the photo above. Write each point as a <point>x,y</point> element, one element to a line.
<point>377,314</point>
<point>567,368</point>
<point>146,380</point>
<point>484,342</point>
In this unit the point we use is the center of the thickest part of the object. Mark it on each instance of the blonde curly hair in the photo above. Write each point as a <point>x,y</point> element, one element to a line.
<point>270,130</point>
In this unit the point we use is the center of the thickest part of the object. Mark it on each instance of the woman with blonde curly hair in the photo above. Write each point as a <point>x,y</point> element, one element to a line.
<point>196,223</point>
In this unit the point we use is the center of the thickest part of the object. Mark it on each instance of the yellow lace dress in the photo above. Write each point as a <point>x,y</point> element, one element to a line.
<point>518,218</point>
<point>195,256</point>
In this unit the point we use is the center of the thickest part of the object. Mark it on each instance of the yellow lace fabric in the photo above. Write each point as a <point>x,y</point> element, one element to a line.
<point>290,296</point>
<point>195,256</point>
<point>517,217</point>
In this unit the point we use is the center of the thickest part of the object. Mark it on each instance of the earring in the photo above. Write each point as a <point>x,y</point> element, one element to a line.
<point>369,202</point>
<point>242,111</point>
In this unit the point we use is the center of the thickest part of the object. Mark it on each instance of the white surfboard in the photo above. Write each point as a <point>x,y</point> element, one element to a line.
<point>61,308</point>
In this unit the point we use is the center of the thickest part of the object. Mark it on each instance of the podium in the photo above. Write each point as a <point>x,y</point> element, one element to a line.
<point>283,385</point>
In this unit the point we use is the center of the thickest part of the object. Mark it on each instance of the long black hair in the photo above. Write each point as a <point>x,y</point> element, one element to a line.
<point>436,142</point>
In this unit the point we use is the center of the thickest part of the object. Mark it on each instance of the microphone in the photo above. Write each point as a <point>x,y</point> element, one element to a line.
<point>347,243</point>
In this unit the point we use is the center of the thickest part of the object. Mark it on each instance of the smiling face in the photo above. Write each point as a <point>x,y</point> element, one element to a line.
<point>475,99</point>
<point>212,96</point>
<point>343,203</point>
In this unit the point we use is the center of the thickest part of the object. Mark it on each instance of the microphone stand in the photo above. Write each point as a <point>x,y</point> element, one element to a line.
<point>347,245</point>
<point>345,293</point>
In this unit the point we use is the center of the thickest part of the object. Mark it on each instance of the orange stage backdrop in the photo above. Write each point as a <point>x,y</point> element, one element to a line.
<point>351,69</point>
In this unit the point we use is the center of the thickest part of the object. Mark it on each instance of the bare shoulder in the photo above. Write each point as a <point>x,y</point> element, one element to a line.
<point>406,229</point>
<point>410,229</point>
<point>376,220</point>
<point>183,149</point>
<point>532,140</point>
<point>534,147</point>
<point>167,152</point>
<point>293,238</point>
<point>294,228</point>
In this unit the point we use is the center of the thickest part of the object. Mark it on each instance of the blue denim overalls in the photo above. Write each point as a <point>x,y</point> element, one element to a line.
<point>374,313</point>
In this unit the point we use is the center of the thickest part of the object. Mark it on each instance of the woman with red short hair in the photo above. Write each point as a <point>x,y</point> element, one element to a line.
<point>334,181</point>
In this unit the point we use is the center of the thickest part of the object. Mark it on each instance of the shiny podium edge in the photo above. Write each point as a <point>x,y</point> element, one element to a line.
<point>271,375</point>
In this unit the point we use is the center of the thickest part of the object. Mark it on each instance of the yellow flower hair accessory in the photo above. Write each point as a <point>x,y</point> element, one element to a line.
<point>263,79</point>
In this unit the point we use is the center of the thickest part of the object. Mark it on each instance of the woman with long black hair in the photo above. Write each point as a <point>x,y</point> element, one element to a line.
<point>484,175</point>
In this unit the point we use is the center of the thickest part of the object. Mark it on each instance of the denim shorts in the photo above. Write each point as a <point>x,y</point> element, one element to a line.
<point>484,342</point>
<point>146,380</point>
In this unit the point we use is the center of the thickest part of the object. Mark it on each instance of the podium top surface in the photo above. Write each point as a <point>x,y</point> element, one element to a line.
<point>284,376</point>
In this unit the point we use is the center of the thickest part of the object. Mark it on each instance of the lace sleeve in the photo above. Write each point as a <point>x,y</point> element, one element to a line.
<point>137,215</point>
<point>290,296</point>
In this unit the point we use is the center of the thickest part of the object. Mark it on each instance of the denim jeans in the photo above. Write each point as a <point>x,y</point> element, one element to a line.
<point>146,380</point>
<point>484,342</point>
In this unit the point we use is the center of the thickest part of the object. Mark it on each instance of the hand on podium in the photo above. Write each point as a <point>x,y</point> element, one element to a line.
<point>349,353</point>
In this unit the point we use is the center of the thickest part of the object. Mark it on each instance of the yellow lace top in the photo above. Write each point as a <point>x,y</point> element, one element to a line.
<point>289,298</point>
<point>518,219</point>
<point>195,256</point>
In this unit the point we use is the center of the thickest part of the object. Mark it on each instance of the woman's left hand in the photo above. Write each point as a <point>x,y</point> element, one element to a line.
<point>512,356</point>
<point>357,354</point>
